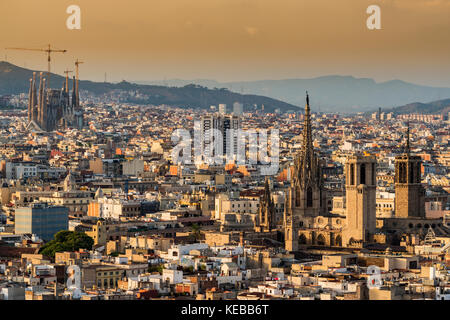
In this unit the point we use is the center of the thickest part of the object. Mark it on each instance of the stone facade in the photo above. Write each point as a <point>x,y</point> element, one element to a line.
<point>50,109</point>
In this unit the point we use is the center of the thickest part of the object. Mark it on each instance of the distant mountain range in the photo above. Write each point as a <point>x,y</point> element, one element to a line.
<point>343,94</point>
<point>15,80</point>
<point>435,107</point>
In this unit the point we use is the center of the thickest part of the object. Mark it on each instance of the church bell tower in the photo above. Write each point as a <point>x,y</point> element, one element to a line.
<point>409,192</point>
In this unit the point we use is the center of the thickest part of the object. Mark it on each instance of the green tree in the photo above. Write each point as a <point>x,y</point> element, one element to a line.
<point>156,268</point>
<point>67,241</point>
<point>195,231</point>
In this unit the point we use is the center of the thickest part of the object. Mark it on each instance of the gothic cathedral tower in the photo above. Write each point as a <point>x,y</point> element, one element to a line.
<point>305,197</point>
<point>409,192</point>
<point>360,194</point>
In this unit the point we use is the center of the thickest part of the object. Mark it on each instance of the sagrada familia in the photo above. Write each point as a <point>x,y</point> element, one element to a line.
<point>52,109</point>
<point>307,220</point>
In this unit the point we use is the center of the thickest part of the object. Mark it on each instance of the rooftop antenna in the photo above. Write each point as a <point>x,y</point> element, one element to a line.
<point>407,138</point>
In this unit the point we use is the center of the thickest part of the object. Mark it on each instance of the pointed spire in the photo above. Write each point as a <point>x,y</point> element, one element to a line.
<point>34,89</point>
<point>40,98</point>
<point>267,195</point>
<point>307,165</point>
<point>30,100</point>
<point>66,84</point>
<point>43,107</point>
<point>307,102</point>
<point>74,95</point>
<point>32,108</point>
<point>307,136</point>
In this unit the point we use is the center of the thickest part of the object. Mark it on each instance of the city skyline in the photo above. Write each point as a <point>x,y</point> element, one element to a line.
<point>266,193</point>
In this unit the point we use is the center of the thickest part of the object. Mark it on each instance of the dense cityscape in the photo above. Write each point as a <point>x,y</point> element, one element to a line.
<point>94,207</point>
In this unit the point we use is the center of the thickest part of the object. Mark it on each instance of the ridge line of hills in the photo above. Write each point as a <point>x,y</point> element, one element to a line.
<point>15,80</point>
<point>333,93</point>
<point>339,94</point>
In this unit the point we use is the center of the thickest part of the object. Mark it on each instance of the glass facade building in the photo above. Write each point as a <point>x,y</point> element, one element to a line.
<point>42,220</point>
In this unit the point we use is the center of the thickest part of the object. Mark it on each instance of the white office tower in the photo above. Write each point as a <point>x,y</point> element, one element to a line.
<point>208,124</point>
<point>238,108</point>
<point>230,126</point>
<point>222,141</point>
<point>222,109</point>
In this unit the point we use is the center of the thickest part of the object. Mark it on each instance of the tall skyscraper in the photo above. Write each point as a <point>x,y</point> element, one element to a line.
<point>238,108</point>
<point>224,137</point>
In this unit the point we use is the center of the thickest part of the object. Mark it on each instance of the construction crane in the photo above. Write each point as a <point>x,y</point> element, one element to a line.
<point>48,50</point>
<point>77,63</point>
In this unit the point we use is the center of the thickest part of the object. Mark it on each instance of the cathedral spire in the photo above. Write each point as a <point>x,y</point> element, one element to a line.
<point>34,90</point>
<point>307,136</point>
<point>74,95</point>
<point>66,84</point>
<point>267,195</point>
<point>307,102</point>
<point>30,101</point>
<point>40,99</point>
<point>43,107</point>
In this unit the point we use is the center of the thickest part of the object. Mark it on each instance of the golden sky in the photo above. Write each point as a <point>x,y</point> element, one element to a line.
<point>231,40</point>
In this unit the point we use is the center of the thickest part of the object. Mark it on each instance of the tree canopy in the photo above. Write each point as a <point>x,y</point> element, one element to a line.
<point>67,241</point>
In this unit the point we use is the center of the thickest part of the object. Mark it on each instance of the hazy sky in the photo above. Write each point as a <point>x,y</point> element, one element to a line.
<point>231,40</point>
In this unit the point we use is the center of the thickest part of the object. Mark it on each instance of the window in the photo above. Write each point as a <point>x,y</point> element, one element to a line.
<point>297,197</point>
<point>362,174</point>
<point>374,181</point>
<point>309,197</point>
<point>352,174</point>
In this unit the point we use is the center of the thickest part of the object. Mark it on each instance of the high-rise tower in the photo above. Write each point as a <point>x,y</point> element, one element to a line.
<point>409,192</point>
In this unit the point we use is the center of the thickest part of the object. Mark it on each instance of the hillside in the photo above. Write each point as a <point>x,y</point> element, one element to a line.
<point>435,107</point>
<point>334,93</point>
<point>15,80</point>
